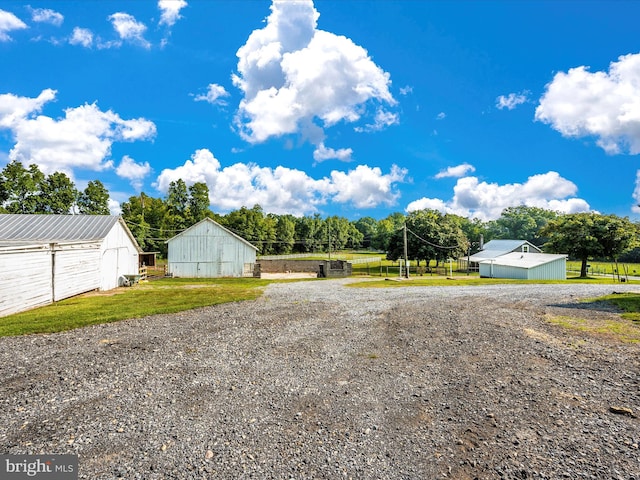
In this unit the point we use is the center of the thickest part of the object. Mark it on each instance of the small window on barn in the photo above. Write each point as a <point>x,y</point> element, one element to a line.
<point>525,249</point>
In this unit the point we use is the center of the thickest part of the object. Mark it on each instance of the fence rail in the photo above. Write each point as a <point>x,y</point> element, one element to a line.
<point>285,257</point>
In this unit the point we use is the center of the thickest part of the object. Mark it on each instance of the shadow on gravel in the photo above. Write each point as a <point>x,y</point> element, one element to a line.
<point>598,305</point>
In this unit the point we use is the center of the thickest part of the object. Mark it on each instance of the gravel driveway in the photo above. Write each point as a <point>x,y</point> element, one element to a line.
<point>319,380</point>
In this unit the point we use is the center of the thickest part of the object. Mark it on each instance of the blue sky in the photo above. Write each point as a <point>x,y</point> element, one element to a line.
<point>351,108</point>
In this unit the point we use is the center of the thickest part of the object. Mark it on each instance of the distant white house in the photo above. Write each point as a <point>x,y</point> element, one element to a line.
<point>525,266</point>
<point>208,250</point>
<point>46,258</point>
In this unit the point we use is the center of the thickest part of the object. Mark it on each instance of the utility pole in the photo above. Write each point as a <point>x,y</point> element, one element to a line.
<point>406,259</point>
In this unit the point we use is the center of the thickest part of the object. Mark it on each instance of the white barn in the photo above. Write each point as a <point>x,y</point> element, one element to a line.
<point>208,250</point>
<point>525,266</point>
<point>495,249</point>
<point>46,258</point>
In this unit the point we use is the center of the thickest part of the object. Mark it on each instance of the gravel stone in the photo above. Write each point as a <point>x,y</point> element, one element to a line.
<point>319,380</point>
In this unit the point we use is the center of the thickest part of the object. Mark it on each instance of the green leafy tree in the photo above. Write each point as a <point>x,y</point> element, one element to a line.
<point>57,195</point>
<point>133,213</point>
<point>341,234</point>
<point>589,235</point>
<point>311,234</point>
<point>4,194</point>
<point>94,200</point>
<point>523,223</point>
<point>430,236</point>
<point>368,227</point>
<point>251,224</point>
<point>285,234</point>
<point>177,205</point>
<point>22,187</point>
<point>198,202</point>
<point>387,228</point>
<point>473,229</point>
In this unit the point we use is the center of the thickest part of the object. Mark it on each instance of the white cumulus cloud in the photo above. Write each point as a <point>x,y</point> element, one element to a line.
<point>292,74</point>
<point>604,105</point>
<point>215,95</point>
<point>511,101</point>
<point>133,171</point>
<point>457,171</point>
<point>81,36</point>
<point>46,15</point>
<point>282,190</point>
<point>322,153</point>
<point>8,23</point>
<point>170,11</point>
<point>80,139</point>
<point>366,187</point>
<point>636,194</point>
<point>486,201</point>
<point>129,29</point>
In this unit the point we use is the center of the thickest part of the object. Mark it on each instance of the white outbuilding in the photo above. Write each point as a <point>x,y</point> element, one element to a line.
<point>209,250</point>
<point>525,266</point>
<point>46,258</point>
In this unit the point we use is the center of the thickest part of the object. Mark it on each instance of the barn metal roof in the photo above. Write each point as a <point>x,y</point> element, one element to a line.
<point>524,260</point>
<point>498,248</point>
<point>55,228</point>
<point>507,245</point>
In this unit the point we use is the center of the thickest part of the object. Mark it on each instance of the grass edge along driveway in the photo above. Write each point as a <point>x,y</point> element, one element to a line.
<point>169,295</point>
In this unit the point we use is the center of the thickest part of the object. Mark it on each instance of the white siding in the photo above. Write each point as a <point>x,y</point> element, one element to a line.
<point>76,269</point>
<point>119,257</point>
<point>556,270</point>
<point>553,270</point>
<point>207,250</point>
<point>25,278</point>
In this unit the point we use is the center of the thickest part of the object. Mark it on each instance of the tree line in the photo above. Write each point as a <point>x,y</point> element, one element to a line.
<point>28,190</point>
<point>430,234</point>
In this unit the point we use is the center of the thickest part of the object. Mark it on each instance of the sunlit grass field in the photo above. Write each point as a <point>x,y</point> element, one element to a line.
<point>167,295</point>
<point>170,295</point>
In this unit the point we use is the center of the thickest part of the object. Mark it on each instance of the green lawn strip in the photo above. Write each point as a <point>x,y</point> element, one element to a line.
<point>439,281</point>
<point>161,296</point>
<point>625,329</point>
<point>618,329</point>
<point>606,268</point>
<point>629,303</point>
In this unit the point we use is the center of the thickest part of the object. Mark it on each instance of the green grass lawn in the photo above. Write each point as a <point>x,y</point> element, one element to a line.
<point>160,296</point>
<point>606,268</point>
<point>624,328</point>
<point>463,280</point>
<point>627,302</point>
<point>170,295</point>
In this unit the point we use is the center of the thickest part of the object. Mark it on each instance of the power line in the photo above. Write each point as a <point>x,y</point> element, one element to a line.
<point>430,243</point>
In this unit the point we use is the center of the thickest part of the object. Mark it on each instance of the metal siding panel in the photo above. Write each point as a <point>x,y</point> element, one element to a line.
<point>25,280</point>
<point>208,251</point>
<point>76,271</point>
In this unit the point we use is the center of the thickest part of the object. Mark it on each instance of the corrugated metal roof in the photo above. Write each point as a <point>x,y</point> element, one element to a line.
<point>55,228</point>
<point>524,260</point>
<point>506,245</point>
<point>498,248</point>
